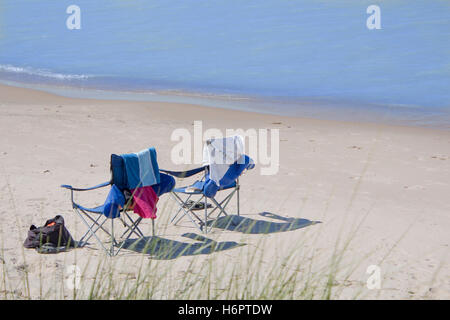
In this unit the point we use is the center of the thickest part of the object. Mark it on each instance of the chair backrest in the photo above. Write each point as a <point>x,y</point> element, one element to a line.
<point>221,155</point>
<point>133,170</point>
<point>234,171</point>
<point>118,172</point>
<point>223,150</point>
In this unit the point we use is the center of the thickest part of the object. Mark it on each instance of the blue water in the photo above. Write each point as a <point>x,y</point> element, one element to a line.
<point>266,49</point>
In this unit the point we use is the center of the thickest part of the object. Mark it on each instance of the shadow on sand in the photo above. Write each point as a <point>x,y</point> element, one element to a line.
<point>252,226</point>
<point>166,249</point>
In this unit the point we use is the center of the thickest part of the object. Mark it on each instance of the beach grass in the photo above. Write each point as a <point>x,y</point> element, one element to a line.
<point>247,272</point>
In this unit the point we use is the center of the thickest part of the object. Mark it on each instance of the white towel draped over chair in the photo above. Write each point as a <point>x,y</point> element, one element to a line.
<point>224,163</point>
<point>220,153</point>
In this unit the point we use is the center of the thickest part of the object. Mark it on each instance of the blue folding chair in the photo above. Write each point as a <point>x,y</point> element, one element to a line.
<point>119,202</point>
<point>206,189</point>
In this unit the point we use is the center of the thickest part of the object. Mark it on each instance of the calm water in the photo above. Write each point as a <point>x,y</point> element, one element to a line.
<point>270,50</point>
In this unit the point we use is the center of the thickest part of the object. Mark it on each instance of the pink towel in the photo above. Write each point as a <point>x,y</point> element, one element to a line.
<point>145,200</point>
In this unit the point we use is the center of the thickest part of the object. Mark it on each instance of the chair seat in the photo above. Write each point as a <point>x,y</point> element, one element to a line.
<point>166,185</point>
<point>98,209</point>
<point>197,188</point>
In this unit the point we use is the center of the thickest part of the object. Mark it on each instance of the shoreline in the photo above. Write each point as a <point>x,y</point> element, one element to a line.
<point>310,108</point>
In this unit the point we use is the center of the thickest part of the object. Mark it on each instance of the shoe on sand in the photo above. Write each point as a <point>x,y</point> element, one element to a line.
<point>48,248</point>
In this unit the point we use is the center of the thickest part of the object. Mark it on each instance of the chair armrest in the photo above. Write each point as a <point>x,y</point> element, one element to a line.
<point>250,165</point>
<point>184,174</point>
<point>101,185</point>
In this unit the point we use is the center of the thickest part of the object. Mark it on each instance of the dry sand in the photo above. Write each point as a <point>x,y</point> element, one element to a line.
<point>389,182</point>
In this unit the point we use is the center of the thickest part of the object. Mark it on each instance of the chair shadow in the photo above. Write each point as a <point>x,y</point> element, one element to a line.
<point>252,226</point>
<point>165,249</point>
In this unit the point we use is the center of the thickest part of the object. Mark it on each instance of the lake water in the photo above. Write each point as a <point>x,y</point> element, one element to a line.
<point>272,56</point>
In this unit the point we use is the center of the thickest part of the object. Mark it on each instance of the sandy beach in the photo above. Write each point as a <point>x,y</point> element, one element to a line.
<point>380,194</point>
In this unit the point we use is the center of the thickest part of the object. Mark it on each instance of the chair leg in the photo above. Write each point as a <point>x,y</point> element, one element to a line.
<point>92,233</point>
<point>133,228</point>
<point>206,215</point>
<point>112,238</point>
<point>178,200</point>
<point>187,210</point>
<point>222,209</point>
<point>237,195</point>
<point>223,204</point>
<point>88,233</point>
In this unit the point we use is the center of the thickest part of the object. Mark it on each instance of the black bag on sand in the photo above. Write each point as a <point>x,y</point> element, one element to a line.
<point>53,237</point>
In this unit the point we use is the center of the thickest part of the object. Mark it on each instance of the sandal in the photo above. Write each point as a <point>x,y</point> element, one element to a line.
<point>198,206</point>
<point>48,248</point>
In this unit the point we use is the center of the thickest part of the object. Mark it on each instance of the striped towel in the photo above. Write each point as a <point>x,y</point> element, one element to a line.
<point>142,168</point>
<point>143,172</point>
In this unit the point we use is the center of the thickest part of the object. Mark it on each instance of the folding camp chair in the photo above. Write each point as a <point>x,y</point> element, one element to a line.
<point>206,189</point>
<point>120,202</point>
